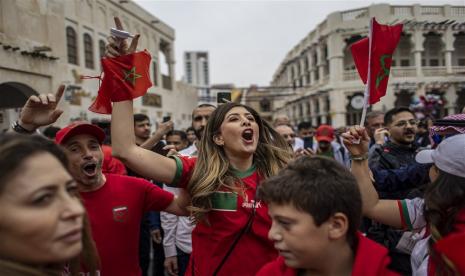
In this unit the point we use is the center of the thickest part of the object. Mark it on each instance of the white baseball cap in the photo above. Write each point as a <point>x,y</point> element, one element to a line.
<point>449,156</point>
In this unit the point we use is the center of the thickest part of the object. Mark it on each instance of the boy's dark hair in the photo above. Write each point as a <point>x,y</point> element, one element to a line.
<point>319,186</point>
<point>190,129</point>
<point>139,117</point>
<point>180,133</point>
<point>304,125</point>
<point>388,117</point>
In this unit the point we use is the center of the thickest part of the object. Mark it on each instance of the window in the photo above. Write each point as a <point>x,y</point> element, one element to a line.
<point>404,62</point>
<point>433,62</point>
<point>88,52</point>
<point>71,45</point>
<point>101,48</point>
<point>265,105</point>
<point>155,73</point>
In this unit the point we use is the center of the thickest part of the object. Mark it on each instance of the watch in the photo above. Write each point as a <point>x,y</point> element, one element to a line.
<point>361,157</point>
<point>20,129</point>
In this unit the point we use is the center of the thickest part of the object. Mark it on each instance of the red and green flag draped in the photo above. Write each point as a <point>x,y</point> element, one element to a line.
<point>373,58</point>
<point>125,78</point>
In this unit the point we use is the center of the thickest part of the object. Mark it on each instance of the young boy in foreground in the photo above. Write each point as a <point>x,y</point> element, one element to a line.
<point>316,210</point>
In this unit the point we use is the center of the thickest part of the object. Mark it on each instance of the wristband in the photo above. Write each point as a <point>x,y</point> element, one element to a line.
<point>361,157</point>
<point>20,129</point>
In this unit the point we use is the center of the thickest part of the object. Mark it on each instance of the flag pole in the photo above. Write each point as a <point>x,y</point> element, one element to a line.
<point>367,86</point>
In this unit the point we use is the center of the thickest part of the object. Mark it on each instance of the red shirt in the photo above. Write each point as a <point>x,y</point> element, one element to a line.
<point>115,212</point>
<point>371,259</point>
<point>230,214</point>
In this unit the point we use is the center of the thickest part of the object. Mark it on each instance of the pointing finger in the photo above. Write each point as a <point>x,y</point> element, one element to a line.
<point>59,93</point>
<point>118,24</point>
<point>134,42</point>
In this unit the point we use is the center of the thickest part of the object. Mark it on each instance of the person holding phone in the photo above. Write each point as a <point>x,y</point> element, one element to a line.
<point>306,133</point>
<point>374,125</point>
<point>236,151</point>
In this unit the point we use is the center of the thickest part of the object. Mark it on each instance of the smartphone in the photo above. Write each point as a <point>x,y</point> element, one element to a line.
<point>223,97</point>
<point>308,142</point>
<point>158,148</point>
<point>166,119</point>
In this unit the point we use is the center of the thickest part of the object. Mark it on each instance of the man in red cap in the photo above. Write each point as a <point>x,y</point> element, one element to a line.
<point>115,203</point>
<point>328,147</point>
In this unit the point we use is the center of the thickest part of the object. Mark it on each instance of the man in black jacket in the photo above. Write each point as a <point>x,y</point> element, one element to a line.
<point>397,176</point>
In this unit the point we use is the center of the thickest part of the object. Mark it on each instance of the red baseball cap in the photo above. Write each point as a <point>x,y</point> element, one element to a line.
<point>80,127</point>
<point>324,133</point>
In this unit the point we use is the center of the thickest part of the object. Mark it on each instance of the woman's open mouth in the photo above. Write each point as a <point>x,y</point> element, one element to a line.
<point>247,136</point>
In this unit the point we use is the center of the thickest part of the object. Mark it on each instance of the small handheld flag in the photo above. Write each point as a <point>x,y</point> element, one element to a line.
<point>125,78</point>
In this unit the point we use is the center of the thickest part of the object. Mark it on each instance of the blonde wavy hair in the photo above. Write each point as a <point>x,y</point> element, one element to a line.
<point>212,171</point>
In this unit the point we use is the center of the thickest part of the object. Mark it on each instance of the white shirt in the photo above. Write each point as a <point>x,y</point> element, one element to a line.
<point>298,144</point>
<point>412,210</point>
<point>177,229</point>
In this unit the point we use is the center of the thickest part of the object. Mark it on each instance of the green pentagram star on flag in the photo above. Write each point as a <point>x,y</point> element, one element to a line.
<point>131,75</point>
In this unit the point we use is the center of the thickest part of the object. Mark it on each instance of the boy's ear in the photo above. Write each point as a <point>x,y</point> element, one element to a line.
<point>338,226</point>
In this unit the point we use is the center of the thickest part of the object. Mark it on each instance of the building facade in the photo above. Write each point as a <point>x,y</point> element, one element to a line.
<point>326,88</point>
<point>197,73</point>
<point>47,43</point>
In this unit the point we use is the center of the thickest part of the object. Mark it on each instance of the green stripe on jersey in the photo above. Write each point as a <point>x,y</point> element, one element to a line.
<point>224,201</point>
<point>178,174</point>
<point>408,221</point>
<point>243,174</point>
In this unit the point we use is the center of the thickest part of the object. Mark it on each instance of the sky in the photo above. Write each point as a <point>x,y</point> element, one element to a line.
<point>247,40</point>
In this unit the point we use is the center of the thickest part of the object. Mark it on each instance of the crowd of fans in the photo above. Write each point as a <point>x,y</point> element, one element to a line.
<point>231,195</point>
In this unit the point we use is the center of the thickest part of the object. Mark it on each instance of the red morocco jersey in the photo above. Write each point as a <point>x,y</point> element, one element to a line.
<point>230,214</point>
<point>371,259</point>
<point>115,212</point>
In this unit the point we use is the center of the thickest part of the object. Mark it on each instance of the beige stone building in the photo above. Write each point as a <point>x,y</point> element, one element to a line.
<point>50,42</point>
<point>320,73</point>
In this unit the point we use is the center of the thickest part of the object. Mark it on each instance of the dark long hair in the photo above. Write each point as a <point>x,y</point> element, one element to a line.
<point>444,199</point>
<point>14,150</point>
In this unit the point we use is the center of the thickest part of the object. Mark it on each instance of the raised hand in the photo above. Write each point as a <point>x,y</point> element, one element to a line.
<point>356,140</point>
<point>41,110</point>
<point>118,46</point>
<point>171,150</point>
<point>380,134</point>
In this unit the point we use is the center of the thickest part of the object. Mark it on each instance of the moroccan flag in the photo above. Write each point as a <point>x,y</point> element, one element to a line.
<point>125,78</point>
<point>373,58</point>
